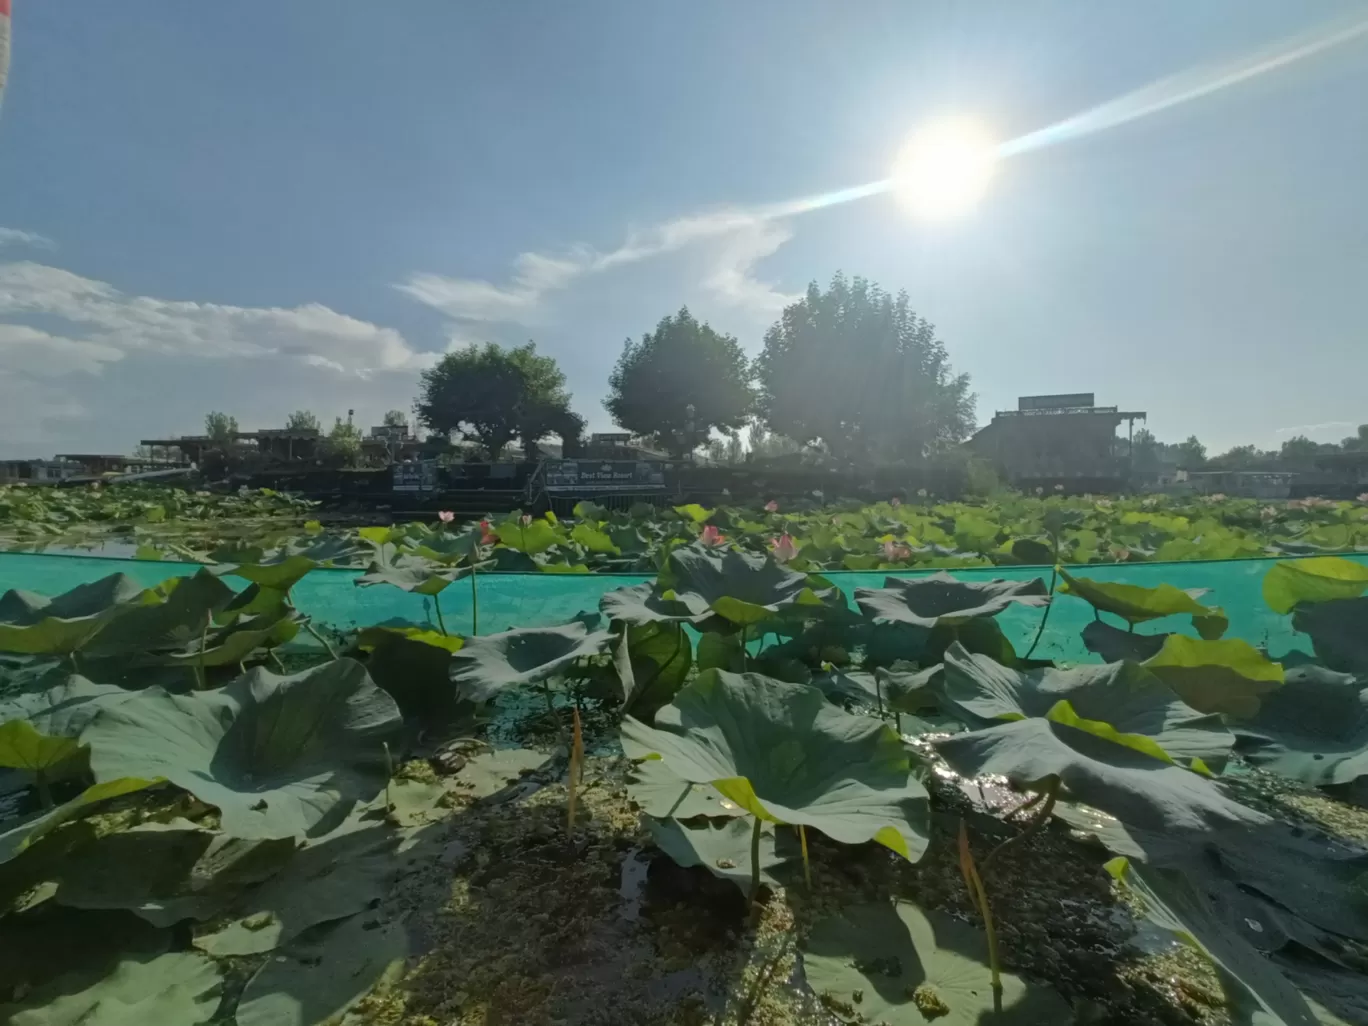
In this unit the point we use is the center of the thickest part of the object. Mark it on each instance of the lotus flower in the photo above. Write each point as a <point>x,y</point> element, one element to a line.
<point>895,502</point>
<point>1040,490</point>
<point>1363,498</point>
<point>487,535</point>
<point>783,548</point>
<point>1059,487</point>
<point>446,516</point>
<point>772,506</point>
<point>712,537</point>
<point>921,493</point>
<point>896,552</point>
<point>525,520</point>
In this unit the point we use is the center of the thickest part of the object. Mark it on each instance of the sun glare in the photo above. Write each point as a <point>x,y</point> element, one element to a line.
<point>945,168</point>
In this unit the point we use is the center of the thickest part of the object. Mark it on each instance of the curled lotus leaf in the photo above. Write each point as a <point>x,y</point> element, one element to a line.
<point>1227,676</point>
<point>741,588</point>
<point>1339,632</point>
<point>786,755</point>
<point>1137,604</point>
<point>940,599</point>
<point>1318,579</point>
<point>489,663</point>
<point>641,604</point>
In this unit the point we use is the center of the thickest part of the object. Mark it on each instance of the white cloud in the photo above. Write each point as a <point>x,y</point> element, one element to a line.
<point>25,350</point>
<point>15,237</point>
<point>1325,425</point>
<point>105,317</point>
<point>743,237</point>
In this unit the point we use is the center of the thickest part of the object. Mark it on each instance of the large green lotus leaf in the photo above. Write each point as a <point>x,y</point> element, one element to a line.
<point>277,755</point>
<point>741,588</point>
<point>1161,804</point>
<point>317,979</point>
<point>644,603</point>
<point>228,646</point>
<point>1136,604</point>
<point>413,574</point>
<point>652,661</point>
<point>1318,579</point>
<point>36,625</point>
<point>909,691</point>
<point>182,607</point>
<point>904,966</point>
<point>658,791</point>
<point>286,566</point>
<point>940,599</point>
<point>723,848</point>
<point>490,663</point>
<point>1228,676</point>
<point>24,748</point>
<point>373,637</point>
<point>531,539</point>
<point>415,671</point>
<point>785,754</point>
<point>178,988</point>
<point>337,877</point>
<point>489,773</point>
<point>1314,728</point>
<point>1339,632</point>
<point>593,539</point>
<point>1124,695</point>
<point>1114,645</point>
<point>18,836</point>
<point>1256,993</point>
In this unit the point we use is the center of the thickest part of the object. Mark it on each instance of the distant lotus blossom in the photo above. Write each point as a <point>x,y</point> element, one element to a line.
<point>525,520</point>
<point>487,535</point>
<point>1059,487</point>
<point>1215,497</point>
<point>446,516</point>
<point>1119,553</point>
<point>1104,503</point>
<point>772,506</point>
<point>1312,502</point>
<point>783,548</point>
<point>1268,513</point>
<point>921,493</point>
<point>895,502</point>
<point>712,537</point>
<point>1363,498</point>
<point>896,552</point>
<point>1150,503</point>
<point>818,494</point>
<point>1040,490</point>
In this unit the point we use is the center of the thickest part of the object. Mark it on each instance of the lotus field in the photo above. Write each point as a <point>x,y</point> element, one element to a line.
<point>743,789</point>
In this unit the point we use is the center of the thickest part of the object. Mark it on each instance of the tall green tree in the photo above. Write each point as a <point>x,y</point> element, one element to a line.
<point>395,418</point>
<point>1300,451</point>
<point>343,444</point>
<point>220,427</point>
<point>679,382</point>
<point>855,368</point>
<point>1146,451</point>
<point>1356,441</point>
<point>302,420</point>
<point>1191,454</point>
<point>493,395</point>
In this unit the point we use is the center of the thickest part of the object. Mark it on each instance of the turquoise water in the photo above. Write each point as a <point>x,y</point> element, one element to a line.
<point>528,600</point>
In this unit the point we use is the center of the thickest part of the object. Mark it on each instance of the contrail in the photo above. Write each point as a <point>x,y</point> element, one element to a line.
<point>1151,99</point>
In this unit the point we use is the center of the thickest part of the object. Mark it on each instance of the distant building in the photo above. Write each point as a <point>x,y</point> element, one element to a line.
<point>1051,439</point>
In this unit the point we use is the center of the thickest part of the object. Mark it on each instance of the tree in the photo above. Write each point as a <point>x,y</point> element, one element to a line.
<point>1356,441</point>
<point>1145,451</point>
<point>1299,451</point>
<point>679,383</point>
<point>220,427</point>
<point>343,444</point>
<point>855,368</point>
<point>1240,457</point>
<point>493,395</point>
<point>1191,454</point>
<point>395,418</point>
<point>302,420</point>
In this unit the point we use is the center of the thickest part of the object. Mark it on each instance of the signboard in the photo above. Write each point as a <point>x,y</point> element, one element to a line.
<point>1068,401</point>
<point>415,477</point>
<point>604,476</point>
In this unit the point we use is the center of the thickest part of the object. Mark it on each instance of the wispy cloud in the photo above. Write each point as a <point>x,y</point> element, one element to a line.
<point>16,237</point>
<point>1325,425</point>
<point>742,238</point>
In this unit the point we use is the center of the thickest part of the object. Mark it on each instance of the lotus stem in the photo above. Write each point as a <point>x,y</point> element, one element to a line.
<point>320,639</point>
<point>389,775</point>
<point>546,690</point>
<point>201,679</point>
<point>576,774</point>
<point>1045,617</point>
<point>878,694</point>
<point>474,605</point>
<point>755,863</point>
<point>743,649</point>
<point>980,898</point>
<point>1050,793</point>
<point>271,654</point>
<point>44,792</point>
<point>437,608</point>
<point>807,866</point>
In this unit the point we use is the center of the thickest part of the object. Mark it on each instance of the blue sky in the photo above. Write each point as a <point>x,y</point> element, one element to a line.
<point>262,206</point>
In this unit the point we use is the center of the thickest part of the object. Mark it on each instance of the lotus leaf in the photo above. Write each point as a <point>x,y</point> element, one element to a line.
<point>228,646</point>
<point>413,574</point>
<point>17,836</point>
<point>488,773</point>
<point>1257,994</point>
<point>531,538</point>
<point>659,792</point>
<point>490,663</point>
<point>723,848</point>
<point>741,588</point>
<point>1339,632</point>
<point>285,567</point>
<point>786,755</point>
<point>1162,805</point>
<point>24,748</point>
<point>1135,604</point>
<point>414,667</point>
<point>277,755</point>
<point>1317,579</point>
<point>1115,645</point>
<point>644,603</point>
<point>1124,695</point>
<point>942,600</point>
<point>175,988</point>
<point>905,966</point>
<point>182,608</point>
<point>35,625</point>
<point>337,877</point>
<point>63,709</point>
<point>1314,728</point>
<point>377,636</point>
<point>1228,676</point>
<point>320,977</point>
<point>652,661</point>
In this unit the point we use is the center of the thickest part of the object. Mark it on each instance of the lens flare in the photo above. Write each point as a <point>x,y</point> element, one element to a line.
<point>945,168</point>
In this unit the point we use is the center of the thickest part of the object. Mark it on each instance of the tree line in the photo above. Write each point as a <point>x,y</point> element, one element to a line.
<point>850,368</point>
<point>1149,455</point>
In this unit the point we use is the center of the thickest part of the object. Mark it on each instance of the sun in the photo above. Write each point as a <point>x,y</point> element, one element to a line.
<point>945,168</point>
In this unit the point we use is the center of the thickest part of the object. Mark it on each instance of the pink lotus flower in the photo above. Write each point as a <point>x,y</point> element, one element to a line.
<point>896,552</point>
<point>1363,498</point>
<point>487,535</point>
<point>712,537</point>
<point>771,507</point>
<point>921,493</point>
<point>895,502</point>
<point>783,548</point>
<point>525,520</point>
<point>446,516</point>
<point>1040,490</point>
<point>1059,487</point>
